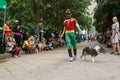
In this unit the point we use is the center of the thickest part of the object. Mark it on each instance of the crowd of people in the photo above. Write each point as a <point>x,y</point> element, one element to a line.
<point>16,40</point>
<point>50,39</point>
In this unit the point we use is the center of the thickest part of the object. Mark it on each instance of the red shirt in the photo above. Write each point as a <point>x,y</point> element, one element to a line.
<point>69,24</point>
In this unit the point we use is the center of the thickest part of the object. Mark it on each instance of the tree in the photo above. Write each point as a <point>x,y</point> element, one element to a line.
<point>35,8</point>
<point>50,12</point>
<point>54,12</point>
<point>104,12</point>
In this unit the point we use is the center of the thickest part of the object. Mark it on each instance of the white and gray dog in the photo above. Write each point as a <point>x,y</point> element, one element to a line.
<point>93,51</point>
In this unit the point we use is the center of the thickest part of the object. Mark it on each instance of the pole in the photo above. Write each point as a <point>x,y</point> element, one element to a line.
<point>3,26</point>
<point>4,16</point>
<point>3,37</point>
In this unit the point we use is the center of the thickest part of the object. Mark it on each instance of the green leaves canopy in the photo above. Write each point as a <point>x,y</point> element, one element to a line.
<point>104,12</point>
<point>54,12</point>
<point>50,12</point>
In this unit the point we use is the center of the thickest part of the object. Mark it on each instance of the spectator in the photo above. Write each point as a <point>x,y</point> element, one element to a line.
<point>15,51</point>
<point>7,31</point>
<point>32,46</point>
<point>115,36</point>
<point>17,33</point>
<point>35,29</point>
<point>28,46</point>
<point>25,46</point>
<point>36,42</point>
<point>24,36</point>
<point>42,46</point>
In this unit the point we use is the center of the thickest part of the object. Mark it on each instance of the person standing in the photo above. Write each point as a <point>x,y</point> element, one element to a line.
<point>7,31</point>
<point>115,36</point>
<point>70,26</point>
<point>17,33</point>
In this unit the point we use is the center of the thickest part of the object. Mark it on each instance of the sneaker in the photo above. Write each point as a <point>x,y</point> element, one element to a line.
<point>71,59</point>
<point>74,57</point>
<point>15,56</point>
<point>18,55</point>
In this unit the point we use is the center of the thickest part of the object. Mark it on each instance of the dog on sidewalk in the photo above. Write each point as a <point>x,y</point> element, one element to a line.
<point>93,51</point>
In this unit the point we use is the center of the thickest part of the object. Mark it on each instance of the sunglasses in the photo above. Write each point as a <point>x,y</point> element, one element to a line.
<point>68,13</point>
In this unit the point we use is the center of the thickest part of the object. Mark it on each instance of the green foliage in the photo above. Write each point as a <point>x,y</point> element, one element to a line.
<point>54,12</point>
<point>104,12</point>
<point>50,12</point>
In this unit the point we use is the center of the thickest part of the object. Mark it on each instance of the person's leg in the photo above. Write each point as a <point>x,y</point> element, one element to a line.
<point>74,43</point>
<point>114,47</point>
<point>17,39</point>
<point>68,42</point>
<point>13,52</point>
<point>33,49</point>
<point>18,51</point>
<point>70,52</point>
<point>73,40</point>
<point>28,50</point>
<point>118,48</point>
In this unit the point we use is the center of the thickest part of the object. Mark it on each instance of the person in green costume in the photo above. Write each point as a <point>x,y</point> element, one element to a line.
<point>70,26</point>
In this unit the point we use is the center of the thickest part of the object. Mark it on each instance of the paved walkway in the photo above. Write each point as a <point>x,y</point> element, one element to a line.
<point>54,65</point>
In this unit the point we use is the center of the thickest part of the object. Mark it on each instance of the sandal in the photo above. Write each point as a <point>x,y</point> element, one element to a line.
<point>112,53</point>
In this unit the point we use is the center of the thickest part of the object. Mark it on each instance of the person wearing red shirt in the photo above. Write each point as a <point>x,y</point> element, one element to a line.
<point>70,26</point>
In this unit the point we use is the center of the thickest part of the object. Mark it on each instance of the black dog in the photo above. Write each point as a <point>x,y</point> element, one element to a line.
<point>93,51</point>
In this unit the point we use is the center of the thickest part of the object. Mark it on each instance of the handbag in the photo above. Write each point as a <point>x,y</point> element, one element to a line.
<point>17,34</point>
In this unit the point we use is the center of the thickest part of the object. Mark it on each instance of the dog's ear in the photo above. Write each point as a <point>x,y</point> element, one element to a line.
<point>102,50</point>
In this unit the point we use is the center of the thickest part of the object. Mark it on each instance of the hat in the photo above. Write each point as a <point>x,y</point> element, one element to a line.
<point>17,21</point>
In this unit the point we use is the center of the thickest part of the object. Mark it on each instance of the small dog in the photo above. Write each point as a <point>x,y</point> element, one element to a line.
<point>93,51</point>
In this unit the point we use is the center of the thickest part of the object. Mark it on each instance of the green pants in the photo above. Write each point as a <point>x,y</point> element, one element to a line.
<point>71,39</point>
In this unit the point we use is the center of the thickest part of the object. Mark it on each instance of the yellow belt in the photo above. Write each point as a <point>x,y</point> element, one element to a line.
<point>67,31</point>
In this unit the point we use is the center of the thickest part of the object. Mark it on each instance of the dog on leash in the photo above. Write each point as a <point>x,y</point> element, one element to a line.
<point>93,51</point>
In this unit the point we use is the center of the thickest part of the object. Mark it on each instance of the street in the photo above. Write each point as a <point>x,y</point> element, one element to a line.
<point>54,65</point>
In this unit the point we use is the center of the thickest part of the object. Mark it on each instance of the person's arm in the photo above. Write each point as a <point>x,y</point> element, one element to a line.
<point>14,42</point>
<point>77,26</point>
<point>24,44</point>
<point>63,32</point>
<point>9,44</point>
<point>116,30</point>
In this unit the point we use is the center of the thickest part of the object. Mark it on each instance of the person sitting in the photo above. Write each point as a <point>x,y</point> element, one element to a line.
<point>28,46</point>
<point>50,46</point>
<point>42,46</point>
<point>12,48</point>
<point>36,42</point>
<point>25,45</point>
<point>32,46</point>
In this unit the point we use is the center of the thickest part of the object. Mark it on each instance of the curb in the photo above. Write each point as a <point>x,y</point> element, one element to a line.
<point>5,55</point>
<point>8,55</point>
